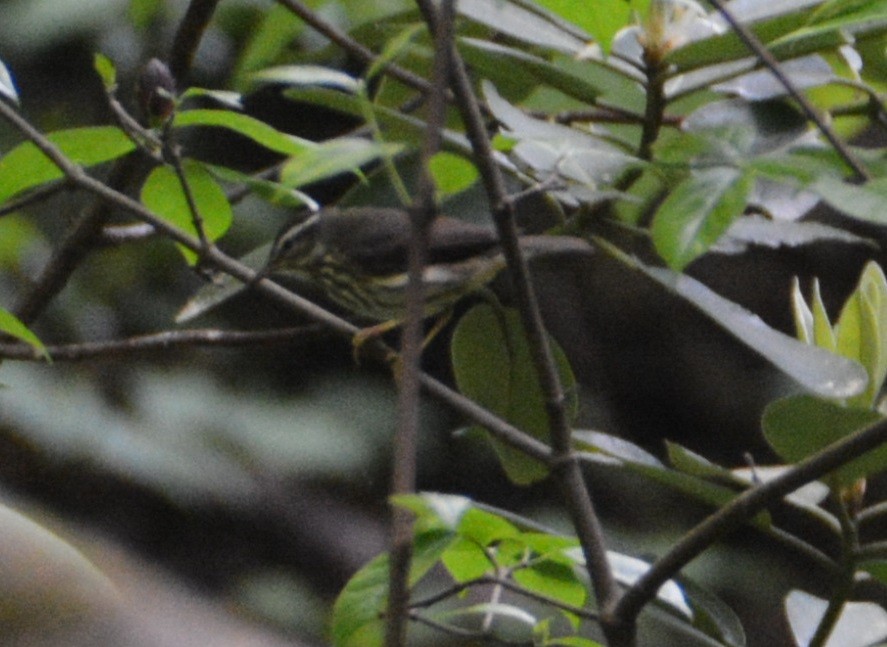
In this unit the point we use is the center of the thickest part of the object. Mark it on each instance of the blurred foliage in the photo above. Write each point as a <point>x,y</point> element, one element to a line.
<point>654,132</point>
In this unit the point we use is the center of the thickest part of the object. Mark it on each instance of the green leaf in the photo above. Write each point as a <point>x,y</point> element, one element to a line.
<point>394,47</point>
<point>601,18</point>
<point>334,157</point>
<point>867,202</point>
<point>435,509</point>
<point>527,23</point>
<point>501,63</point>
<point>860,331</point>
<point>639,462</point>
<point>824,373</point>
<point>357,619</point>
<point>7,86</point>
<point>877,568</point>
<point>466,560</point>
<point>799,426</point>
<point>714,616</point>
<point>823,331</point>
<point>272,192</point>
<point>698,212</point>
<point>554,580</point>
<point>11,325</point>
<point>801,313</point>
<point>25,166</point>
<point>492,365</point>
<point>812,326</point>
<point>258,131</point>
<point>452,173</point>
<point>106,71</point>
<point>164,195</point>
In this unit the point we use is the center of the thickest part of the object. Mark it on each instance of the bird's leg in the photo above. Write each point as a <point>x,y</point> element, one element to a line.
<point>364,335</point>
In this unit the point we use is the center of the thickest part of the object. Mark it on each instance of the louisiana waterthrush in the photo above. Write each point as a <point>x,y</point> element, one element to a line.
<point>358,257</point>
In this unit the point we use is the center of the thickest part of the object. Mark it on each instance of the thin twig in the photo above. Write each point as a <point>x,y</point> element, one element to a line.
<point>41,193</point>
<point>174,157</point>
<point>162,341</point>
<point>754,44</point>
<point>505,583</point>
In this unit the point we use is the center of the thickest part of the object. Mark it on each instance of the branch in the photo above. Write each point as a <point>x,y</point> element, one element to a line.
<point>158,341</point>
<point>467,407</point>
<point>188,36</point>
<point>740,510</point>
<point>422,213</point>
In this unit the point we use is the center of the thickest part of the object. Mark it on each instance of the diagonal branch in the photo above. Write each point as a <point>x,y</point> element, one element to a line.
<point>740,510</point>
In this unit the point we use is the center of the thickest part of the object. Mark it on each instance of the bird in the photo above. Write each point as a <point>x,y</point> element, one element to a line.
<point>357,258</point>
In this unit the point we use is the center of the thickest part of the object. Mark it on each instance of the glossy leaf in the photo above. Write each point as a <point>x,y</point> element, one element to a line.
<point>608,17</point>
<point>163,193</point>
<point>258,131</point>
<point>7,86</point>
<point>25,167</point>
<point>11,325</point>
<point>592,444</point>
<point>452,173</point>
<point>698,212</point>
<point>823,332</point>
<point>553,580</point>
<point>758,231</point>
<point>861,331</point>
<point>799,426</point>
<point>627,570</point>
<point>435,510</point>
<point>713,616</point>
<point>332,158</point>
<point>357,617</point>
<point>495,61</point>
<point>466,560</point>
<point>861,624</point>
<point>309,75</point>
<point>867,202</point>
<point>268,190</point>
<point>492,365</point>
<point>517,617</point>
<point>801,313</point>
<point>822,372</point>
<point>526,23</point>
